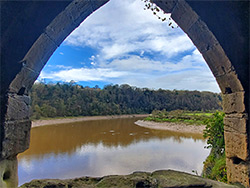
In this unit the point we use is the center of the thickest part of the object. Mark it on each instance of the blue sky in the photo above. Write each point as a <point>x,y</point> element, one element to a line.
<point>121,43</point>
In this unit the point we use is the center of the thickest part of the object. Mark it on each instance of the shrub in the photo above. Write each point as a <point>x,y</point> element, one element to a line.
<point>215,164</point>
<point>215,132</point>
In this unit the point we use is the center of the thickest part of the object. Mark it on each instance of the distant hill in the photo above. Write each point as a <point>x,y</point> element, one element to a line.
<point>58,100</point>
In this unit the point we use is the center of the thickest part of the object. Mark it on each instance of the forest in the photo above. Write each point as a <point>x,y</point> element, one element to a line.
<point>69,99</point>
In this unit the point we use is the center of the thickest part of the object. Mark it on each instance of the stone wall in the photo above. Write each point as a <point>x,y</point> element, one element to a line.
<point>32,30</point>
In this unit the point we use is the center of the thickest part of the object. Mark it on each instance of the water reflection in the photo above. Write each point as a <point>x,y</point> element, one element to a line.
<point>98,148</point>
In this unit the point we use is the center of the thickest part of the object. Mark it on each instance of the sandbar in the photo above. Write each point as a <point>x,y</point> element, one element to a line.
<point>176,127</point>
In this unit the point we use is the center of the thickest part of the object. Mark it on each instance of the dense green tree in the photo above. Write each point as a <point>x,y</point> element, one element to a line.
<point>57,100</point>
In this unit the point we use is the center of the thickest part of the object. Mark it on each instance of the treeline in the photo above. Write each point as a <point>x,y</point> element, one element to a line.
<point>58,100</point>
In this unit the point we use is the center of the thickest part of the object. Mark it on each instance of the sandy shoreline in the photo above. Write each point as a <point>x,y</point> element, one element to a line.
<point>38,123</point>
<point>177,127</point>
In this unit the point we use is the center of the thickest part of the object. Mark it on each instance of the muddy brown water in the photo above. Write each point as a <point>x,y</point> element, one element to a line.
<point>105,147</point>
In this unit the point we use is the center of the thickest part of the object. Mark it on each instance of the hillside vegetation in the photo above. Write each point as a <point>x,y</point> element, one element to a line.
<point>59,100</point>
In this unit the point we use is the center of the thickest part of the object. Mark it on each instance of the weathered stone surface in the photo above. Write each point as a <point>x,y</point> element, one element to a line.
<point>236,145</point>
<point>238,125</point>
<point>234,103</point>
<point>23,81</point>
<point>201,36</point>
<point>166,5</point>
<point>16,137</point>
<point>157,179</point>
<point>229,83</point>
<point>70,18</point>
<point>60,28</point>
<point>237,115</point>
<point>238,172</point>
<point>8,173</point>
<point>217,60</point>
<point>83,9</point>
<point>184,16</point>
<point>18,107</point>
<point>39,53</point>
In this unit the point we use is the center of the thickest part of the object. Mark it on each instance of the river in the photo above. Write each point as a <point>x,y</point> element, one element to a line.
<point>105,147</point>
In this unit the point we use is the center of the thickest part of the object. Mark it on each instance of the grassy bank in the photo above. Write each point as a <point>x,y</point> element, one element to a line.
<point>180,116</point>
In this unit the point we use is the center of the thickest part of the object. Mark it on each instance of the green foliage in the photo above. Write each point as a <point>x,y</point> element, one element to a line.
<point>215,132</point>
<point>59,100</point>
<point>219,171</point>
<point>215,164</point>
<point>182,116</point>
<point>215,168</point>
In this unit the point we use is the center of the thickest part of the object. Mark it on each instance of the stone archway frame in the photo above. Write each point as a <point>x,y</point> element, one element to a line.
<point>17,123</point>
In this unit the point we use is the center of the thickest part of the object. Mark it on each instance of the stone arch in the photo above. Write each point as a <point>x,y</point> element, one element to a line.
<point>15,123</point>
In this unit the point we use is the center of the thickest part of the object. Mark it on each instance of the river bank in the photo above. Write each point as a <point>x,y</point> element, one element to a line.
<point>37,123</point>
<point>176,127</point>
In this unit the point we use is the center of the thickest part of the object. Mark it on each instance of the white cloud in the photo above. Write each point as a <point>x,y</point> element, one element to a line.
<point>92,58</point>
<point>63,67</point>
<point>61,53</point>
<point>142,52</point>
<point>122,27</point>
<point>188,80</point>
<point>145,64</point>
<point>83,74</point>
<point>134,47</point>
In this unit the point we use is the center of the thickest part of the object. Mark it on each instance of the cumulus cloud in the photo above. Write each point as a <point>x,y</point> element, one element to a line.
<point>83,74</point>
<point>63,67</point>
<point>132,46</point>
<point>188,80</point>
<point>122,27</point>
<point>136,63</point>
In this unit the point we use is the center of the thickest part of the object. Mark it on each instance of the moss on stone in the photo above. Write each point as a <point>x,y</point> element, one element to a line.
<point>157,179</point>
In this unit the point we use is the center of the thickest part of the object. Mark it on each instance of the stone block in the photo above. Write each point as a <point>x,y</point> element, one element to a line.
<point>23,81</point>
<point>184,16</point>
<point>238,125</point>
<point>39,53</point>
<point>166,5</point>
<point>8,173</point>
<point>217,60</point>
<point>234,103</point>
<point>201,36</point>
<point>238,173</point>
<point>229,83</point>
<point>70,18</point>
<point>17,107</point>
<point>79,10</point>
<point>236,145</point>
<point>60,28</point>
<point>16,137</point>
